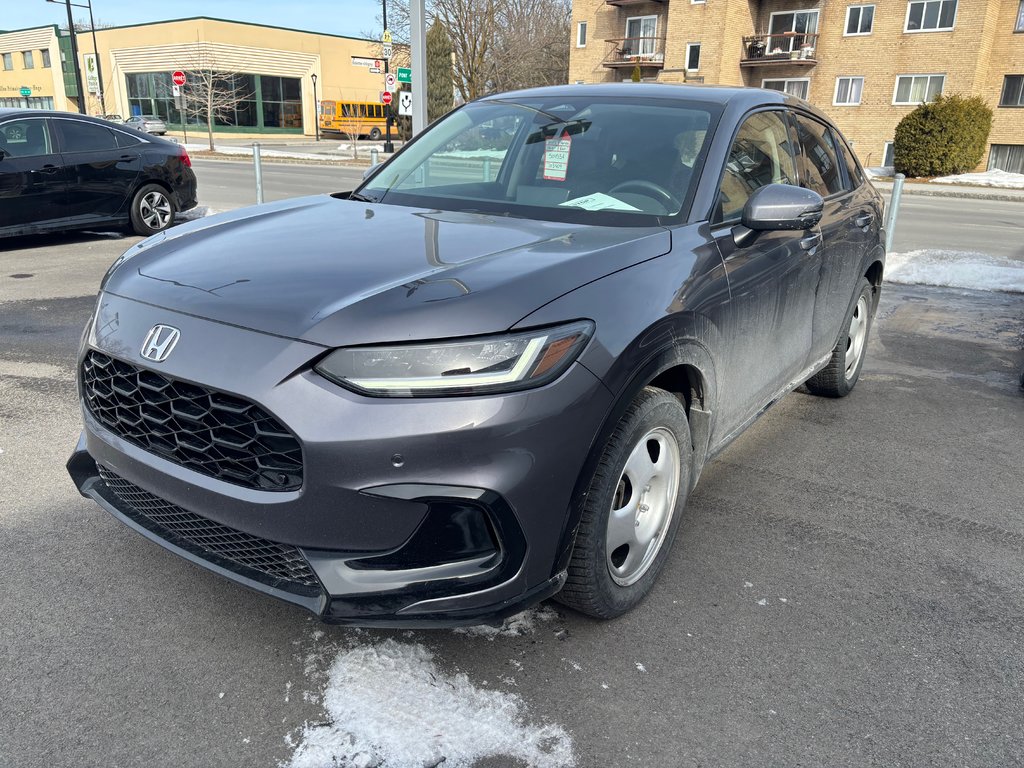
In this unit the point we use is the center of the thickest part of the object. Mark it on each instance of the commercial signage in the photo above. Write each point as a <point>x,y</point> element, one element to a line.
<point>376,66</point>
<point>92,76</point>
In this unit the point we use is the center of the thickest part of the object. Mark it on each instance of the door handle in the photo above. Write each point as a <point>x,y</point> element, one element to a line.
<point>864,220</point>
<point>811,241</point>
<point>49,169</point>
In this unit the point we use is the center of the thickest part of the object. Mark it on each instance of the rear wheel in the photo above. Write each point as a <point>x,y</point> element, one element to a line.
<point>631,509</point>
<point>375,134</point>
<point>838,378</point>
<point>152,210</point>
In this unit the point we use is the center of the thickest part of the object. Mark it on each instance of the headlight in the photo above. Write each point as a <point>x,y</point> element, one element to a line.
<point>468,367</point>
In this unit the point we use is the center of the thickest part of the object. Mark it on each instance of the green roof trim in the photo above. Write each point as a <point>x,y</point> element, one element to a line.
<point>232,21</point>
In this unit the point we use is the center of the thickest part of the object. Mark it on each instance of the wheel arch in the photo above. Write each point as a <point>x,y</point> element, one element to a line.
<point>686,371</point>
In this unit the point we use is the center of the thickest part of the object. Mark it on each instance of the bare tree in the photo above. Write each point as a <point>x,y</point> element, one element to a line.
<point>212,93</point>
<point>355,122</point>
<point>498,45</point>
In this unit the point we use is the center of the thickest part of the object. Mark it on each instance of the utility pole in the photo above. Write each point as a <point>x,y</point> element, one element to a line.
<point>418,44</point>
<point>388,146</point>
<point>74,55</point>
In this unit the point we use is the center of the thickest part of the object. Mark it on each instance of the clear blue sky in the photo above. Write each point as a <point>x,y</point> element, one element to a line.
<point>337,17</point>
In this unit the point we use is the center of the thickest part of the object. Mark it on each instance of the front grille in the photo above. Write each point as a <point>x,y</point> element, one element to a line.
<point>263,560</point>
<point>218,434</point>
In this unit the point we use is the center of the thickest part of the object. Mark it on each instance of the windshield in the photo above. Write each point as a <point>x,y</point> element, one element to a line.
<point>625,162</point>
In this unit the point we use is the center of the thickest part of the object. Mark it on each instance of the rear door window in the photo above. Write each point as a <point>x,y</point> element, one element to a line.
<point>26,138</point>
<point>85,137</point>
<point>761,154</point>
<point>818,160</point>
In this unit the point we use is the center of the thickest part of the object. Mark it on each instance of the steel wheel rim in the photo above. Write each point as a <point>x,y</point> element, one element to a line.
<point>155,210</point>
<point>642,507</point>
<point>857,336</point>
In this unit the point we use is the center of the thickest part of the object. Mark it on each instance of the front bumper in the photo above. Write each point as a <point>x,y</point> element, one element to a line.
<point>366,523</point>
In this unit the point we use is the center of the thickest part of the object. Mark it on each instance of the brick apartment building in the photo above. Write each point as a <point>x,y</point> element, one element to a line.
<point>864,64</point>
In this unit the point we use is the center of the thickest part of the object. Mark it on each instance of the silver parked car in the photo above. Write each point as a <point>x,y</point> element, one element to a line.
<point>147,124</point>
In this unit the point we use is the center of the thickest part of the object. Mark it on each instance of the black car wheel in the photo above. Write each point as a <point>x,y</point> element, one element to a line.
<point>632,508</point>
<point>838,378</point>
<point>375,134</point>
<point>152,210</point>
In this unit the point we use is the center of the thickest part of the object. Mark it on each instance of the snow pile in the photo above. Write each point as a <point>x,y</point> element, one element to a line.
<point>199,212</point>
<point>389,705</point>
<point>994,178</point>
<point>880,172</point>
<point>956,269</point>
<point>524,623</point>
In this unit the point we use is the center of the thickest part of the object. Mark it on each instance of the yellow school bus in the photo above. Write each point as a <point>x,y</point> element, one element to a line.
<point>365,118</point>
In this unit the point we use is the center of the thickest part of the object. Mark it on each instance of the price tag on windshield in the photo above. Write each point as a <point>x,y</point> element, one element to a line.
<point>556,157</point>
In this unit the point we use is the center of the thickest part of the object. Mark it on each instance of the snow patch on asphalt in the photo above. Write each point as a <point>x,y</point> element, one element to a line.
<point>388,704</point>
<point>524,623</point>
<point>994,178</point>
<point>956,269</point>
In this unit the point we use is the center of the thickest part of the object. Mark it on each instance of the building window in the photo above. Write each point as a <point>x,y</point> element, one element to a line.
<point>930,15</point>
<point>8,61</point>
<point>581,35</point>
<point>917,89</point>
<point>1020,18</point>
<point>860,19</point>
<point>45,56</point>
<point>848,91</point>
<point>701,2</point>
<point>1006,157</point>
<point>795,86</point>
<point>790,30</point>
<point>692,57</point>
<point>887,155</point>
<point>1013,91</point>
<point>641,32</point>
<point>29,61</point>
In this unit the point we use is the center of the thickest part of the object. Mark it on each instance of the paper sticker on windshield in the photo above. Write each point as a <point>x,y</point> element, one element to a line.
<point>556,157</point>
<point>599,201</point>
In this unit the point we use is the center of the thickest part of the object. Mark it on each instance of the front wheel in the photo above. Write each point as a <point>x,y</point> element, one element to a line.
<point>375,134</point>
<point>838,378</point>
<point>152,210</point>
<point>631,508</point>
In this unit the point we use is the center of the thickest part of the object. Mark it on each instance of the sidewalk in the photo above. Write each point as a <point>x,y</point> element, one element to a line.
<point>953,190</point>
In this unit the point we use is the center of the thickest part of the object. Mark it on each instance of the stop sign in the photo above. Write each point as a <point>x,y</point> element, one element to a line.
<point>178,77</point>
<point>386,97</point>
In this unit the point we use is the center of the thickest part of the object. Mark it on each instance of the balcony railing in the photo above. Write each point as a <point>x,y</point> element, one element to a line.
<point>790,47</point>
<point>630,51</point>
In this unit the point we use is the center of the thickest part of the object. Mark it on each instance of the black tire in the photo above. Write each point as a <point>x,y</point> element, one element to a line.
<point>152,210</point>
<point>591,587</point>
<point>838,378</point>
<point>375,134</point>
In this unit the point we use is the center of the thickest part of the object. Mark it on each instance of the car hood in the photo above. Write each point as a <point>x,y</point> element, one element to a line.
<point>336,272</point>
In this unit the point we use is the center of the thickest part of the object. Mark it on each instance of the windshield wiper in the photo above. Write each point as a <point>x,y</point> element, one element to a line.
<point>362,198</point>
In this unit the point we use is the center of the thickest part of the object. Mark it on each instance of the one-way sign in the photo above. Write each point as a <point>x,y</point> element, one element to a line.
<point>405,103</point>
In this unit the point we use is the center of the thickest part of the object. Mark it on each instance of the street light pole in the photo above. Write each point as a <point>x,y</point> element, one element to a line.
<point>74,55</point>
<point>316,107</point>
<point>388,146</point>
<point>99,66</point>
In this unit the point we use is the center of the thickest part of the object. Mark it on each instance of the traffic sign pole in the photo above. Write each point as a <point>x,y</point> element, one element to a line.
<point>388,146</point>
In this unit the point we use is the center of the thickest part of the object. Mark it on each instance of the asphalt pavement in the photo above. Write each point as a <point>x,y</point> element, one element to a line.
<point>845,589</point>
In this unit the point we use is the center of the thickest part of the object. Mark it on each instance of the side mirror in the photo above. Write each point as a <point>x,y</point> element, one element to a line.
<point>776,207</point>
<point>371,170</point>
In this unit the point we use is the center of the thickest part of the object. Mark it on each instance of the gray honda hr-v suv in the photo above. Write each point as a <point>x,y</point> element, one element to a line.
<point>494,371</point>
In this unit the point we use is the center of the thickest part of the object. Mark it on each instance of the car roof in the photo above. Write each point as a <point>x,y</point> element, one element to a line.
<point>737,98</point>
<point>15,112</point>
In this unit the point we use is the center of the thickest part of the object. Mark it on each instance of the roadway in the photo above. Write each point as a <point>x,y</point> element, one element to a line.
<point>989,226</point>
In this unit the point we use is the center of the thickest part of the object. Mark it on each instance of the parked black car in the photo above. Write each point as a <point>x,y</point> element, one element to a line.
<point>61,171</point>
<point>494,371</point>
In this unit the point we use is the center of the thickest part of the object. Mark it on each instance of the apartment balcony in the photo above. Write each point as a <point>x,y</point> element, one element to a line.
<point>633,51</point>
<point>789,48</point>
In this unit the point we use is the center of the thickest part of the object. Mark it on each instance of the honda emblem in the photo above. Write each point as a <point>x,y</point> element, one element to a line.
<point>159,342</point>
